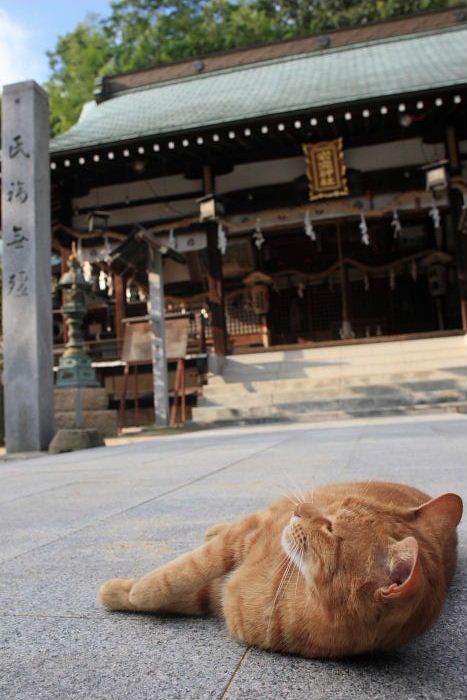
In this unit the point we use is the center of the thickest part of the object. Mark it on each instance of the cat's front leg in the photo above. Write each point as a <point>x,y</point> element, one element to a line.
<point>114,594</point>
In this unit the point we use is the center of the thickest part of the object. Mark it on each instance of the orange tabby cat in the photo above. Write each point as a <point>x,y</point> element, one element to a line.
<point>358,567</point>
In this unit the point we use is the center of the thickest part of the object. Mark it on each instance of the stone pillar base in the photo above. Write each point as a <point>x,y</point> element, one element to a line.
<point>70,439</point>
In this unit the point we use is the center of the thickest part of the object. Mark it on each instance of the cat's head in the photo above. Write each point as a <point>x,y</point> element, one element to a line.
<point>373,564</point>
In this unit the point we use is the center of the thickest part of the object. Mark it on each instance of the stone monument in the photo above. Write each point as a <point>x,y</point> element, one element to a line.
<point>27,280</point>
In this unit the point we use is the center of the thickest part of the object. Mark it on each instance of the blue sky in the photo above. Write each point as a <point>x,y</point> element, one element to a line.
<point>28,28</point>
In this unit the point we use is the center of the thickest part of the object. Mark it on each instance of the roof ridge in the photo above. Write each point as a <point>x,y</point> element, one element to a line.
<point>285,59</point>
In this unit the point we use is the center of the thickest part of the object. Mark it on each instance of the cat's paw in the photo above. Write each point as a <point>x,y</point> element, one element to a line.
<point>215,530</point>
<point>114,594</point>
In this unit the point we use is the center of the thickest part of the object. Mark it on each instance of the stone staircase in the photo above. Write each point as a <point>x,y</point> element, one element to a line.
<point>380,378</point>
<point>95,411</point>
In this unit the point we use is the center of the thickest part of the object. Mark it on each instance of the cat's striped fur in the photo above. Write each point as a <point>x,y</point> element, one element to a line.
<point>355,567</point>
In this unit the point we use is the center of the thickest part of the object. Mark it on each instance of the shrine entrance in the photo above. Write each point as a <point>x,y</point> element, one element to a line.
<point>337,287</point>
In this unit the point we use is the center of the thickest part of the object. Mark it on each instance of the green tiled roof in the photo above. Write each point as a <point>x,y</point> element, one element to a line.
<point>382,68</point>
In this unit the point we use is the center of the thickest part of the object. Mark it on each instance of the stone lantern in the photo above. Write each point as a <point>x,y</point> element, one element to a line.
<point>75,367</point>
<point>75,370</point>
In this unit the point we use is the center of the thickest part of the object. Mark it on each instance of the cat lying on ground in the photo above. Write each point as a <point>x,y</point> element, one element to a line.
<point>354,568</point>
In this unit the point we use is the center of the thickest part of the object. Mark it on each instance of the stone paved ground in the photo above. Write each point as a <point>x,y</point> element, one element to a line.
<point>68,522</point>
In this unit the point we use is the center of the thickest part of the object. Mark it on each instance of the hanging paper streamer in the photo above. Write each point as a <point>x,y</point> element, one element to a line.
<point>221,239</point>
<point>110,285</point>
<point>102,281</point>
<point>414,270</point>
<point>172,240</point>
<point>396,224</point>
<point>301,290</point>
<point>87,271</point>
<point>258,235</point>
<point>364,230</point>
<point>392,278</point>
<point>435,215</point>
<point>367,283</point>
<point>309,230</point>
<point>79,250</point>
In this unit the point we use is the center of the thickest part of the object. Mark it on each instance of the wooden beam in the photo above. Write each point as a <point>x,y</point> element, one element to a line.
<point>120,309</point>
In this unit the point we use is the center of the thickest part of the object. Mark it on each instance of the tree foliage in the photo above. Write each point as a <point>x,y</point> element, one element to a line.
<point>78,58</point>
<point>141,33</point>
<point>144,32</point>
<point>297,17</point>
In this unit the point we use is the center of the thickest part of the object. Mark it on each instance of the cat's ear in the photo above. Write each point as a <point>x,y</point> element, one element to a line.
<point>445,509</point>
<point>404,569</point>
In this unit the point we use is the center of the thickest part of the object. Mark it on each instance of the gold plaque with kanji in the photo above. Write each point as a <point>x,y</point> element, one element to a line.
<point>326,169</point>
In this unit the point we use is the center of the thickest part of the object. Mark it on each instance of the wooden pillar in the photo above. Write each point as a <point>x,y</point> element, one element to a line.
<point>120,309</point>
<point>346,328</point>
<point>215,276</point>
<point>456,202</point>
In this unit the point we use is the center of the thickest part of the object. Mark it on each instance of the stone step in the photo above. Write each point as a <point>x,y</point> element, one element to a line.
<point>314,369</point>
<point>92,399</point>
<point>456,341</point>
<point>366,379</point>
<point>416,393</point>
<point>105,421</point>
<point>453,378</point>
<point>213,415</point>
<point>289,370</point>
<point>348,402</point>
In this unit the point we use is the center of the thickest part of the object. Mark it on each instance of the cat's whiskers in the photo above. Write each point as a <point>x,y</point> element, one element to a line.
<point>279,589</point>
<point>366,488</point>
<point>295,490</point>
<point>289,498</point>
<point>278,566</point>
<point>298,489</point>
<point>292,497</point>
<point>299,569</point>
<point>286,556</point>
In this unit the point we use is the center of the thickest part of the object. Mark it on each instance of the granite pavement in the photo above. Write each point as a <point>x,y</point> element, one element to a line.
<point>70,521</point>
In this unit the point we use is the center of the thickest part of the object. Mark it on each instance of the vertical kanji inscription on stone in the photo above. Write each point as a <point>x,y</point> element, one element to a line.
<point>27,304</point>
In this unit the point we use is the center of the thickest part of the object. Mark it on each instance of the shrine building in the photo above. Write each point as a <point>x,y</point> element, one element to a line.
<point>312,192</point>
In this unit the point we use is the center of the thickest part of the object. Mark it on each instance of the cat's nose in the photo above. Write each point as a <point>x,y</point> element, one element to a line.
<point>306,510</point>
